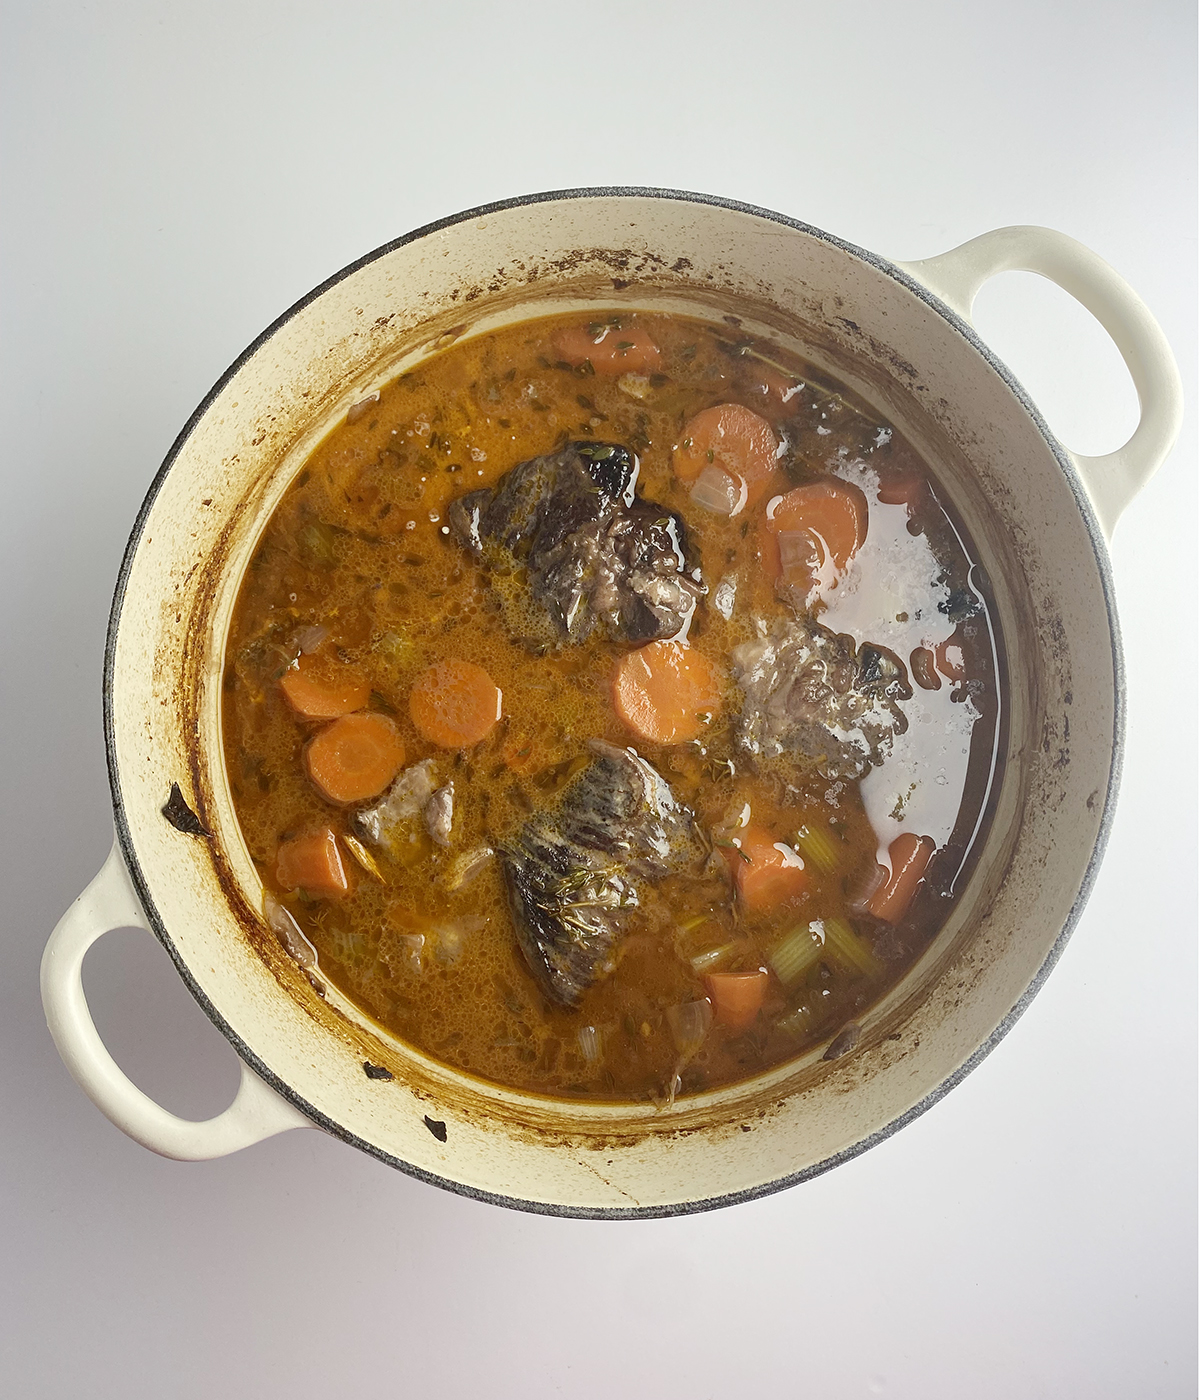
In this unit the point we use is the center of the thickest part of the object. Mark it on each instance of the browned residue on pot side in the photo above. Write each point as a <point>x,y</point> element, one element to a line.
<point>1044,677</point>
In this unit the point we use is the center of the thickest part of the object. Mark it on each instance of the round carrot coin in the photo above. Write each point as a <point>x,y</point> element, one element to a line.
<point>355,757</point>
<point>454,704</point>
<point>609,348</point>
<point>813,532</point>
<point>318,692</point>
<point>667,692</point>
<point>732,439</point>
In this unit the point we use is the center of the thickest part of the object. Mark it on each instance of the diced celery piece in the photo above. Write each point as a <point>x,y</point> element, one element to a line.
<point>845,944</point>
<point>817,845</point>
<point>797,951</point>
<point>711,958</point>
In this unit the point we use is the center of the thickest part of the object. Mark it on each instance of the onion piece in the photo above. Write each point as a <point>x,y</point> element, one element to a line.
<point>799,550</point>
<point>590,1045</point>
<point>468,866</point>
<point>362,407</point>
<point>309,639</point>
<point>717,491</point>
<point>284,926</point>
<point>725,596</point>
<point>451,936</point>
<point>689,1024</point>
<point>413,945</point>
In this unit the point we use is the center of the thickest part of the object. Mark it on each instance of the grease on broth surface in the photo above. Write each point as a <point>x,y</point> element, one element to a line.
<point>818,803</point>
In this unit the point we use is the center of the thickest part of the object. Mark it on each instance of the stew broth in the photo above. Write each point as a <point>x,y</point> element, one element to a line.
<point>825,715</point>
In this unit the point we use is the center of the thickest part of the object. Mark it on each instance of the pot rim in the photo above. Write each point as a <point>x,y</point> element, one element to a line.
<point>1099,549</point>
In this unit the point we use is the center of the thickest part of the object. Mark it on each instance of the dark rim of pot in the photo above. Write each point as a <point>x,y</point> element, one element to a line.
<point>1099,548</point>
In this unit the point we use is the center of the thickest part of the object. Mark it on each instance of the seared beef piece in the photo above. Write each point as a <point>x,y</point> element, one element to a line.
<point>573,869</point>
<point>589,554</point>
<point>807,690</point>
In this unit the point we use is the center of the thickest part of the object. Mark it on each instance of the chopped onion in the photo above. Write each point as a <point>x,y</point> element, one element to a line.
<point>689,1024</point>
<point>798,550</point>
<point>453,934</point>
<point>468,866</point>
<point>796,1022</point>
<point>589,1044</point>
<point>362,407</point>
<point>637,386</point>
<point>309,639</point>
<point>289,932</point>
<point>725,596</point>
<point>439,814</point>
<point>413,945</point>
<point>717,491</point>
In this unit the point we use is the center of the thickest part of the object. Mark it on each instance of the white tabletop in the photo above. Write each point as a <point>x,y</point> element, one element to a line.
<point>174,177</point>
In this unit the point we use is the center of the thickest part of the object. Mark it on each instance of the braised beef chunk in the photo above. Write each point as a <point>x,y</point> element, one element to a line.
<point>809,691</point>
<point>574,868</point>
<point>573,551</point>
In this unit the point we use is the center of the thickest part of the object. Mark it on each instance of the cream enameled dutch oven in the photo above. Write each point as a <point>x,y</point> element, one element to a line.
<point>900,335</point>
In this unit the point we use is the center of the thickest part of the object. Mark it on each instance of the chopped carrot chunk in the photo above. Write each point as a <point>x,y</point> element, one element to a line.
<point>667,692</point>
<point>732,442</point>
<point>910,856</point>
<point>355,757</point>
<point>766,872</point>
<point>736,997</point>
<point>312,862</point>
<point>317,692</point>
<point>811,534</point>
<point>455,704</point>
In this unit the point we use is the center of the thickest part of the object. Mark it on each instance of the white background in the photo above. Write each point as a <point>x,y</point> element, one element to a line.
<point>173,177</point>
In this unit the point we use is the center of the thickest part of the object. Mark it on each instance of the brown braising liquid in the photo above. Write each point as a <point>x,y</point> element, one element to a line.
<point>359,565</point>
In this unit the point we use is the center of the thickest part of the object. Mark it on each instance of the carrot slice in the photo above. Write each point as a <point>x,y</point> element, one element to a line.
<point>763,382</point>
<point>766,872</point>
<point>355,757</point>
<point>454,704</point>
<point>609,349</point>
<point>729,441</point>
<point>667,692</point>
<point>316,692</point>
<point>312,862</point>
<point>909,855</point>
<point>813,532</point>
<point>736,997</point>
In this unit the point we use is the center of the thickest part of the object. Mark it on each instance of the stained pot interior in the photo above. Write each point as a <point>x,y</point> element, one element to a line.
<point>875,333</point>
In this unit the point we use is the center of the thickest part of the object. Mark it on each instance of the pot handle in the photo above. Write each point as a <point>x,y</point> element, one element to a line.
<point>257,1111</point>
<point>1112,481</point>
